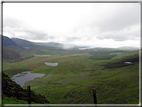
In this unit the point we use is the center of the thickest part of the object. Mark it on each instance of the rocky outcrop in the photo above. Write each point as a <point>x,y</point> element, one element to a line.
<point>11,89</point>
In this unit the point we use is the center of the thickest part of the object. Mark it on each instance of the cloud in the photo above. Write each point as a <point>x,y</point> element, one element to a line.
<point>118,16</point>
<point>128,33</point>
<point>17,28</point>
<point>77,23</point>
<point>72,39</point>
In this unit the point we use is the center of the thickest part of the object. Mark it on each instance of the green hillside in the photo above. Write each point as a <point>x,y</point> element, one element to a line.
<point>12,100</point>
<point>114,72</point>
<point>72,81</point>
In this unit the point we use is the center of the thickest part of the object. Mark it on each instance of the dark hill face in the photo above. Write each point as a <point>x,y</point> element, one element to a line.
<point>8,42</point>
<point>22,42</point>
<point>10,54</point>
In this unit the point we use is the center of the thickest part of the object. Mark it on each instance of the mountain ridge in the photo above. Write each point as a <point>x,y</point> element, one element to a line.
<point>22,43</point>
<point>7,41</point>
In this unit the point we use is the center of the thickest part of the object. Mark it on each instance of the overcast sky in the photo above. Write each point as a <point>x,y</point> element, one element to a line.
<point>93,24</point>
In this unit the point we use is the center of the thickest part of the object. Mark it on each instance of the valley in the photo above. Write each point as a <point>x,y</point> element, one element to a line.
<point>71,53</point>
<point>72,81</point>
<point>78,72</point>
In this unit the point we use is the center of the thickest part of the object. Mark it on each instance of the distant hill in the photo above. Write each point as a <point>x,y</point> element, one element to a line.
<point>49,44</point>
<point>130,48</point>
<point>7,41</point>
<point>22,43</point>
<point>27,44</point>
<point>55,43</point>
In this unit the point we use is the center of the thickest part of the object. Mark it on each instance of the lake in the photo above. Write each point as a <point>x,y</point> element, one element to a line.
<point>51,64</point>
<point>23,77</point>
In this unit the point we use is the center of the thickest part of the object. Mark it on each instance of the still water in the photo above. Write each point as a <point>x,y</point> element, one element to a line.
<point>23,77</point>
<point>51,64</point>
<point>127,62</point>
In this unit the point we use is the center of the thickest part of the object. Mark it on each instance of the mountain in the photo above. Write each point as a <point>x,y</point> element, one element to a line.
<point>22,43</point>
<point>8,49</point>
<point>8,42</point>
<point>27,44</point>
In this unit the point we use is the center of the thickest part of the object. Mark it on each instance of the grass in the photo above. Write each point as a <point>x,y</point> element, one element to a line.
<point>72,81</point>
<point>101,56</point>
<point>12,100</point>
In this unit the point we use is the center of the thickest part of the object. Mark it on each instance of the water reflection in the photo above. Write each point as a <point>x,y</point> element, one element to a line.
<point>127,62</point>
<point>23,77</point>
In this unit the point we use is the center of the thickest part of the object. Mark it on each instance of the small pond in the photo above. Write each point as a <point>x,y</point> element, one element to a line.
<point>51,64</point>
<point>23,77</point>
<point>127,62</point>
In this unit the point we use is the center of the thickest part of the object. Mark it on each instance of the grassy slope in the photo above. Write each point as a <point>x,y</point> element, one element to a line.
<point>12,100</point>
<point>74,78</point>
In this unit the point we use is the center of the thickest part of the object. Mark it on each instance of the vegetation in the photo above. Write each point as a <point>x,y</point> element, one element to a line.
<point>99,56</point>
<point>10,54</point>
<point>133,60</point>
<point>14,91</point>
<point>78,72</point>
<point>12,72</point>
<point>128,48</point>
<point>20,59</point>
<point>13,100</point>
<point>72,81</point>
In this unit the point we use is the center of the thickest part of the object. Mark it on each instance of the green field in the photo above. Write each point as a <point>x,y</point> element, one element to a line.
<point>78,72</point>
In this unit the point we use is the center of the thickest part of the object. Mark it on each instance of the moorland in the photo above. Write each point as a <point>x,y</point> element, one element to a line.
<point>77,73</point>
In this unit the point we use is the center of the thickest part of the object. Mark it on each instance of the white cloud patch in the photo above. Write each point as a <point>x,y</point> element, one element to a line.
<point>17,28</point>
<point>128,33</point>
<point>73,23</point>
<point>117,16</point>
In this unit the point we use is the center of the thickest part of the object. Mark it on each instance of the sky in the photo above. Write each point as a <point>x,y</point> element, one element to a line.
<point>91,24</point>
